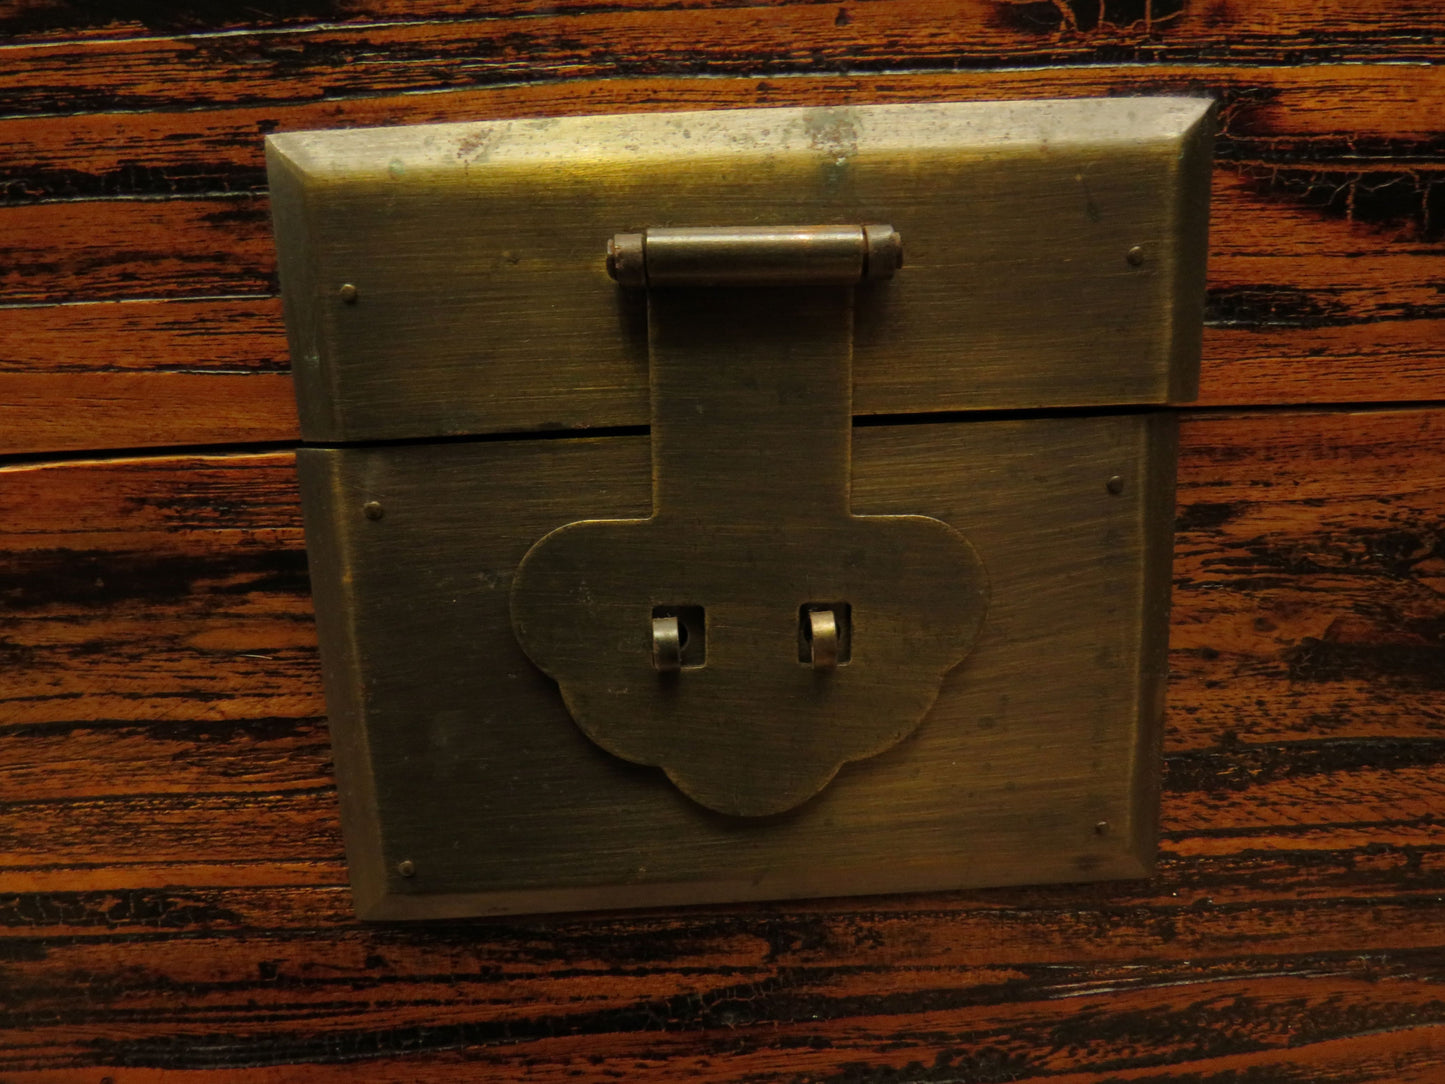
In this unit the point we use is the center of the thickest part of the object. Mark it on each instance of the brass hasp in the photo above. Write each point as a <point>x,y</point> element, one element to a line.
<point>752,635</point>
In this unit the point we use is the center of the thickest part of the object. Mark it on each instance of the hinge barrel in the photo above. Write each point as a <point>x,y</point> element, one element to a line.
<point>755,256</point>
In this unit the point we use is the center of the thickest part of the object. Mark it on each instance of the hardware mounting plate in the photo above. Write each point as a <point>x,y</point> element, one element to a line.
<point>1054,259</point>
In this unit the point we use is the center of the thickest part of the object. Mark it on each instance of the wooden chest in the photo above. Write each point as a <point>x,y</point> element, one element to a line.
<point>172,879</point>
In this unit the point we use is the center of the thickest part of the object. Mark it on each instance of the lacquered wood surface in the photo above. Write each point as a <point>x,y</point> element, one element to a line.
<point>173,888</point>
<point>172,891</point>
<point>1324,284</point>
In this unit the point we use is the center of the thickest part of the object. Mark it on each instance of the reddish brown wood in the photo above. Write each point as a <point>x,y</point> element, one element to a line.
<point>1287,25</point>
<point>172,889</point>
<point>1323,279</point>
<point>1324,113</point>
<point>123,375</point>
<point>1265,253</point>
<point>143,70</point>
<point>170,841</point>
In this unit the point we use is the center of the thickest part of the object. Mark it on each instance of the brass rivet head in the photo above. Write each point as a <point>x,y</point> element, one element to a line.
<point>406,867</point>
<point>1102,828</point>
<point>1115,485</point>
<point>373,510</point>
<point>348,294</point>
<point>1135,256</point>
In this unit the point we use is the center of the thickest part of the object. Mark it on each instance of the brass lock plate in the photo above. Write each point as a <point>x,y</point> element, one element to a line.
<point>450,281</point>
<point>751,532</point>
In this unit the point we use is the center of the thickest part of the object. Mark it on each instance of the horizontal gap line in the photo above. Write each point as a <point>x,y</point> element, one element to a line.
<point>161,451</point>
<point>1380,406</point>
<point>141,197</point>
<point>863,421</point>
<point>184,299</point>
<point>319,790</point>
<point>150,722</point>
<point>942,417</point>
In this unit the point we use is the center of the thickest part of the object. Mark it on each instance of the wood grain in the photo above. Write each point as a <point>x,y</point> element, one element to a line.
<point>1324,280</point>
<point>1350,114</point>
<point>172,893</point>
<point>1270,262</point>
<point>223,64</point>
<point>171,844</point>
<point>1290,26</point>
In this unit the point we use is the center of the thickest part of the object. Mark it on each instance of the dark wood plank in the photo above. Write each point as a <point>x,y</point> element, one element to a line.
<point>1278,242</point>
<point>1309,573</point>
<point>1304,306</point>
<point>130,374</point>
<point>146,70</point>
<point>1355,116</point>
<point>728,996</point>
<point>158,619</point>
<point>1286,24</point>
<point>1324,282</point>
<point>172,896</point>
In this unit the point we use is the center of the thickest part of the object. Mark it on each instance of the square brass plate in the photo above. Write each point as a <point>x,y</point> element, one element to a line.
<point>481,304</point>
<point>455,755</point>
<point>448,282</point>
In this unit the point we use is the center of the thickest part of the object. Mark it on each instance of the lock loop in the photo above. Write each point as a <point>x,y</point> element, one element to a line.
<point>754,256</point>
<point>667,644</point>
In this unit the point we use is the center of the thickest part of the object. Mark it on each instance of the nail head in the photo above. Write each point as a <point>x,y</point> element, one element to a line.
<point>348,294</point>
<point>1135,256</point>
<point>373,510</point>
<point>1115,485</point>
<point>406,867</point>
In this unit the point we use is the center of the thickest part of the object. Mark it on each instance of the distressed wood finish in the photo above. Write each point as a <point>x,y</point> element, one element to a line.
<point>172,848</point>
<point>172,888</point>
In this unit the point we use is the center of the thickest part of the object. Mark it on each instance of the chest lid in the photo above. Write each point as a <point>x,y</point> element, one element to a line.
<point>451,280</point>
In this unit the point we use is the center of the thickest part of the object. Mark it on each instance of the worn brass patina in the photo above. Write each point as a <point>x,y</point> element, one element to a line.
<point>751,461</point>
<point>1008,417</point>
<point>755,256</point>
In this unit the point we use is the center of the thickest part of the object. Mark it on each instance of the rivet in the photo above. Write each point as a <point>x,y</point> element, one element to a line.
<point>1135,256</point>
<point>1115,485</point>
<point>1102,828</point>
<point>406,867</point>
<point>373,510</point>
<point>348,294</point>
